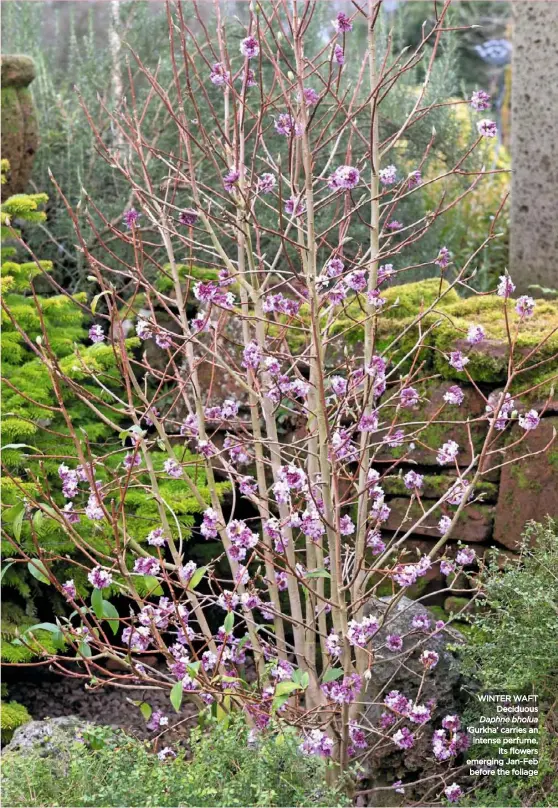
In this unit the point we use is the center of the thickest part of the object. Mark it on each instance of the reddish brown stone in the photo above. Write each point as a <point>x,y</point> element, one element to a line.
<point>441,430</point>
<point>475,524</point>
<point>528,488</point>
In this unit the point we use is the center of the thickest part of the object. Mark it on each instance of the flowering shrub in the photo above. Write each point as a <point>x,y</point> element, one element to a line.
<point>280,621</point>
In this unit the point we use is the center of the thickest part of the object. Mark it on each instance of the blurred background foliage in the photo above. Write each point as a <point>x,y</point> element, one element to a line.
<point>77,59</point>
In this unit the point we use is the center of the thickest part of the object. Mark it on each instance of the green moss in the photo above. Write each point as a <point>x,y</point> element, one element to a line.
<point>523,480</point>
<point>165,284</point>
<point>455,604</point>
<point>438,613</point>
<point>435,485</point>
<point>488,362</point>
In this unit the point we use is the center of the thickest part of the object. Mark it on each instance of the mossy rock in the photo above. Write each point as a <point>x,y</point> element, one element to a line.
<point>16,70</point>
<point>438,613</point>
<point>435,485</point>
<point>20,134</point>
<point>488,361</point>
<point>454,604</point>
<point>165,283</point>
<point>404,303</point>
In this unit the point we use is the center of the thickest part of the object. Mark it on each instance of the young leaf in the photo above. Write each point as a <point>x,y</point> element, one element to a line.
<point>16,514</point>
<point>5,569</point>
<point>284,688</point>
<point>111,615</point>
<point>38,570</point>
<point>97,603</point>
<point>196,577</point>
<point>318,574</point>
<point>278,701</point>
<point>193,668</point>
<point>176,695</point>
<point>84,650</point>
<point>332,674</point>
<point>146,710</point>
<point>229,622</point>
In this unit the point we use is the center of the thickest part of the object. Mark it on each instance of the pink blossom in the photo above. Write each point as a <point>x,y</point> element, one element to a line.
<point>286,125</point>
<point>96,334</point>
<point>345,177</point>
<point>219,75</point>
<point>487,128</point>
<point>453,792</point>
<point>475,334</point>
<point>524,306</point>
<point>443,258</point>
<point>99,578</point>
<point>529,421</point>
<point>388,175</point>
<point>465,556</point>
<point>480,100</point>
<point>311,97</point>
<point>342,23</point>
<point>506,286</point>
<point>447,453</point>
<point>294,206</point>
<point>266,183</point>
<point>250,47</point>
<point>454,395</point>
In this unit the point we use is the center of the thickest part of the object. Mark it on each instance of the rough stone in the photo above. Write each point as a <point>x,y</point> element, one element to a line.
<point>529,487</point>
<point>51,737</point>
<point>19,122</point>
<point>443,686</point>
<point>474,525</point>
<point>432,437</point>
<point>534,199</point>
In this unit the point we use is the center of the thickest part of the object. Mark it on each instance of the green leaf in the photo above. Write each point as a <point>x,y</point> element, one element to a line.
<point>229,622</point>
<point>38,519</point>
<point>193,668</point>
<point>332,674</point>
<point>318,574</point>
<point>5,569</point>
<point>305,680</point>
<point>57,636</point>
<point>283,688</point>
<point>16,514</point>
<point>278,701</point>
<point>176,695</point>
<point>84,650</point>
<point>111,615</point>
<point>196,577</point>
<point>145,710</point>
<point>97,603</point>
<point>21,446</point>
<point>96,299</point>
<point>38,570</point>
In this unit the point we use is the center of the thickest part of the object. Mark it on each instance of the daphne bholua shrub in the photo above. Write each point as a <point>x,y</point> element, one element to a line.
<point>255,306</point>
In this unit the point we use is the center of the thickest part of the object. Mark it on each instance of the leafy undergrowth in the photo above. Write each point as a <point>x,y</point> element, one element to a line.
<point>226,769</point>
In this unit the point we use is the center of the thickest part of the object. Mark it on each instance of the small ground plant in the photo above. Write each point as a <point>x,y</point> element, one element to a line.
<point>228,767</point>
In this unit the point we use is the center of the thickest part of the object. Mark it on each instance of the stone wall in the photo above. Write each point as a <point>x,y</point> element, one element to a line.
<point>508,495</point>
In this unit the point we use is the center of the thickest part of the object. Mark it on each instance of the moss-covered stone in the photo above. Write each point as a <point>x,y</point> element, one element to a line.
<point>474,523</point>
<point>18,122</point>
<point>438,613</point>
<point>16,70</point>
<point>435,485</point>
<point>455,604</point>
<point>488,361</point>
